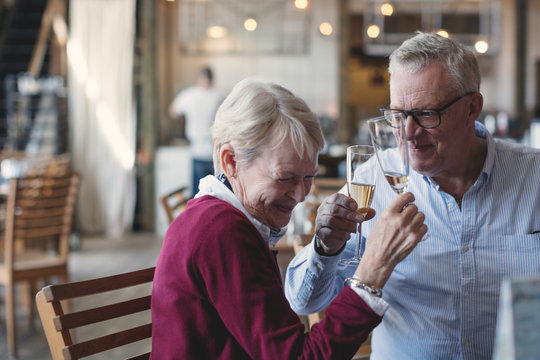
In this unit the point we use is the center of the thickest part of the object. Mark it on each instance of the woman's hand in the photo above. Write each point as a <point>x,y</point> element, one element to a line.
<point>336,219</point>
<point>395,234</point>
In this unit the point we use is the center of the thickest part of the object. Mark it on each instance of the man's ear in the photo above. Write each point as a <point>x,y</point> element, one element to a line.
<point>228,160</point>
<point>475,108</point>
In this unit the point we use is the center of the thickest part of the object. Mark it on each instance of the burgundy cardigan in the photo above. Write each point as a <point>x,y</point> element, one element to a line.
<point>217,294</point>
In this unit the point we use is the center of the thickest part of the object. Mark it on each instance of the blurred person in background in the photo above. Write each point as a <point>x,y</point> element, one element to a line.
<point>198,104</point>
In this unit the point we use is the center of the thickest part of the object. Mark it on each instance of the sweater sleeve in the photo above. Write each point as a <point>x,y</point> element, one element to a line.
<point>243,283</point>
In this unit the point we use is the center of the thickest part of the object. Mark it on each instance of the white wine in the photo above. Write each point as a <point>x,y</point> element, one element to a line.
<point>397,181</point>
<point>363,194</point>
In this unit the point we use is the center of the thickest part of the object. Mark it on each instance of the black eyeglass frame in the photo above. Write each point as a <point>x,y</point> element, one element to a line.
<point>438,111</point>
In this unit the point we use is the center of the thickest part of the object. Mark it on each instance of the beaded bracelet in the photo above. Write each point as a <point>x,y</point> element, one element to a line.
<point>357,283</point>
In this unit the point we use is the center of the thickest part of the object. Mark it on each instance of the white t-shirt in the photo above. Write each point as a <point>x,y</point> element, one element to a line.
<point>199,106</point>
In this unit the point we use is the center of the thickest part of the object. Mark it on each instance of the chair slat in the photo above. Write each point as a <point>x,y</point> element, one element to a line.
<point>107,342</point>
<point>95,286</point>
<point>59,322</point>
<point>38,233</point>
<point>102,313</point>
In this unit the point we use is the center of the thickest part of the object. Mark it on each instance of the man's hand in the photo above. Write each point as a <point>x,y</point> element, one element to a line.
<point>336,219</point>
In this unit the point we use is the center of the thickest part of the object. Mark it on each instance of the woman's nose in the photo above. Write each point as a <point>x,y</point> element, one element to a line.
<point>299,192</point>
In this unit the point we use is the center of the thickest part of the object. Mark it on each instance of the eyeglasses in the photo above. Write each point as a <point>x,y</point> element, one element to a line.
<point>426,118</point>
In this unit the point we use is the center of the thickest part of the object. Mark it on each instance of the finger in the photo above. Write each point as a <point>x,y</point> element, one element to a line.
<point>370,214</point>
<point>400,202</point>
<point>336,223</point>
<point>339,211</point>
<point>341,200</point>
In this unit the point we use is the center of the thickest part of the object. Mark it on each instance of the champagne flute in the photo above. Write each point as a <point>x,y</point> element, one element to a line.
<point>390,143</point>
<point>389,140</point>
<point>361,191</point>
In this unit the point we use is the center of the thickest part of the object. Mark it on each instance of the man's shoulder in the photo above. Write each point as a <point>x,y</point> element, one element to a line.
<point>514,149</point>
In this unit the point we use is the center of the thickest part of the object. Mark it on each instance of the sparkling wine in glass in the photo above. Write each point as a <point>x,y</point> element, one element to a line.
<point>361,191</point>
<point>389,140</point>
<point>390,143</point>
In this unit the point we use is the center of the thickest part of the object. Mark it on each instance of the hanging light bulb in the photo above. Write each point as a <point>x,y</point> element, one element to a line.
<point>387,9</point>
<point>301,4</point>
<point>373,31</point>
<point>250,24</point>
<point>326,28</point>
<point>481,46</point>
<point>443,33</point>
<point>216,32</point>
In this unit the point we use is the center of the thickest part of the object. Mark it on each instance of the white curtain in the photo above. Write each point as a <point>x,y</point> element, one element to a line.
<point>102,115</point>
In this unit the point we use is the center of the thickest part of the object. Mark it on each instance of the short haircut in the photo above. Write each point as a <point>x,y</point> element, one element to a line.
<point>207,73</point>
<point>425,48</point>
<point>257,114</point>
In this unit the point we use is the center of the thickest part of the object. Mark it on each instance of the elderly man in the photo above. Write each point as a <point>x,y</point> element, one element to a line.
<point>481,199</point>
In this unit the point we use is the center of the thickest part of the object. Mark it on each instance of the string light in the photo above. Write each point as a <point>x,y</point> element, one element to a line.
<point>373,31</point>
<point>216,32</point>
<point>301,4</point>
<point>326,28</point>
<point>250,24</point>
<point>481,46</point>
<point>387,9</point>
<point>443,33</point>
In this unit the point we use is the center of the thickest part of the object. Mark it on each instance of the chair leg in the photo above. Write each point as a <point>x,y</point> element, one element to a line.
<point>10,320</point>
<point>30,304</point>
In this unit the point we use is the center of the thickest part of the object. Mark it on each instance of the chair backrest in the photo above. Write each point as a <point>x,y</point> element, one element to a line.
<point>38,219</point>
<point>127,310</point>
<point>175,202</point>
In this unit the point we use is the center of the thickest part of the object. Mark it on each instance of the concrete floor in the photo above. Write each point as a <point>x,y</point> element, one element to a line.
<point>96,257</point>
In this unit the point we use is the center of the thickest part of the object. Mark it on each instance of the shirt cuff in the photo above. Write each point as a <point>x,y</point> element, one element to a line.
<point>377,304</point>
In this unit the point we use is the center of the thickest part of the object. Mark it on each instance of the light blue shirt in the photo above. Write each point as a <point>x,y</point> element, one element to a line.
<point>444,296</point>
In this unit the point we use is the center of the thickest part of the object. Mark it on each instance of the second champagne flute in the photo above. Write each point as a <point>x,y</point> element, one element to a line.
<point>389,139</point>
<point>361,191</point>
<point>390,142</point>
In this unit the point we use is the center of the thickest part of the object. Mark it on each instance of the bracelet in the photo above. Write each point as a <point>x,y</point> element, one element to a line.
<point>357,283</point>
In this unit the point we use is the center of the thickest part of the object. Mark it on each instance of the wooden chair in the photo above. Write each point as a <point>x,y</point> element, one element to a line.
<point>300,241</point>
<point>175,202</point>
<point>35,243</point>
<point>132,316</point>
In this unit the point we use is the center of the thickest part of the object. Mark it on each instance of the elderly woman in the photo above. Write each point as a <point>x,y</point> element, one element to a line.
<point>217,289</point>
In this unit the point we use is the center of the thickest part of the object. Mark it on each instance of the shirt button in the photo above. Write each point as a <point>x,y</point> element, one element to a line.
<point>466,294</point>
<point>465,248</point>
<point>465,342</point>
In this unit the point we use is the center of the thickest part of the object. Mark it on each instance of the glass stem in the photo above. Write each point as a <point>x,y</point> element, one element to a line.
<point>358,251</point>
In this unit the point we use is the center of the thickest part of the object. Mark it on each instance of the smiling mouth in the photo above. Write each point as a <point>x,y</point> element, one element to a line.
<point>419,147</point>
<point>285,209</point>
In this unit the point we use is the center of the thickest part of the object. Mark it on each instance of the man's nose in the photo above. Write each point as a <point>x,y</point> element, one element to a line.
<point>411,127</point>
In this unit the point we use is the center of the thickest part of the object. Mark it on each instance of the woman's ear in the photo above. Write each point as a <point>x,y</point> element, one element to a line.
<point>228,160</point>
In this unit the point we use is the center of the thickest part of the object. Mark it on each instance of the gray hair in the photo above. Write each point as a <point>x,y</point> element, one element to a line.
<point>258,113</point>
<point>424,48</point>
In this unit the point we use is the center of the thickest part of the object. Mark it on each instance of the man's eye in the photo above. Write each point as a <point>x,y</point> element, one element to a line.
<point>426,113</point>
<point>284,179</point>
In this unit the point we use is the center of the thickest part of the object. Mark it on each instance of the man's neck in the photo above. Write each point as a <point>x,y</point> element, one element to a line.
<point>458,182</point>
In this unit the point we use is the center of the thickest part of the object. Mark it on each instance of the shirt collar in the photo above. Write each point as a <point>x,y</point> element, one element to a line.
<point>219,187</point>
